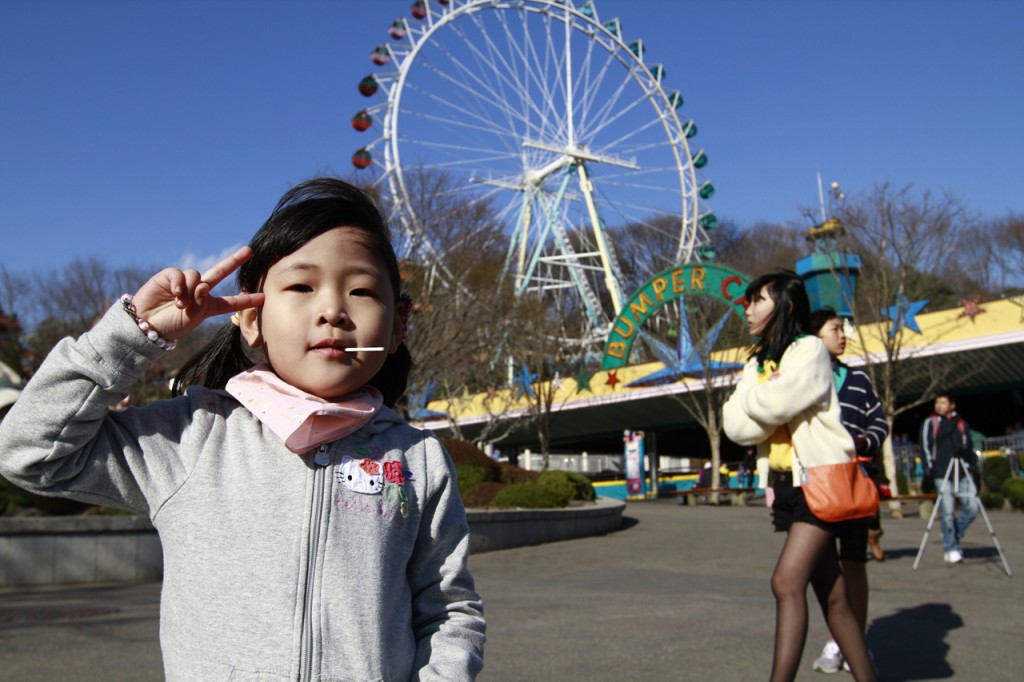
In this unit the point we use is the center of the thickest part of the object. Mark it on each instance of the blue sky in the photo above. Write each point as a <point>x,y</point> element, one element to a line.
<point>162,133</point>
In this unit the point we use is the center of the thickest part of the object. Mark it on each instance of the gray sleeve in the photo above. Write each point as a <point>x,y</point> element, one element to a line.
<point>447,612</point>
<point>61,439</point>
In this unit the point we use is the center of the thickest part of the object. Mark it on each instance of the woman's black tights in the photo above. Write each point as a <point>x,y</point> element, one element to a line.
<point>809,556</point>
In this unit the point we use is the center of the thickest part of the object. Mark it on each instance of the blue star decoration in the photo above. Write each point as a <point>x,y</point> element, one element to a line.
<point>524,382</point>
<point>417,399</point>
<point>686,360</point>
<point>902,314</point>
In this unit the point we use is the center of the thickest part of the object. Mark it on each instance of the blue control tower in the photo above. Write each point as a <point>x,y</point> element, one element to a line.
<point>829,274</point>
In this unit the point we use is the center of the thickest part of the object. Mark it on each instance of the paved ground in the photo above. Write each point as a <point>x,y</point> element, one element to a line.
<point>678,593</point>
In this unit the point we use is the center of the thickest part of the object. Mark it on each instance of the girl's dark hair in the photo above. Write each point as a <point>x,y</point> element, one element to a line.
<point>304,213</point>
<point>790,318</point>
<point>819,318</point>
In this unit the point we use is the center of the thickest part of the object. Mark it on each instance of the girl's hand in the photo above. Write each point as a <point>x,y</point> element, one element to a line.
<point>176,302</point>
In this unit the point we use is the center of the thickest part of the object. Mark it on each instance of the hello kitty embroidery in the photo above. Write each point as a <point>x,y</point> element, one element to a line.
<point>368,477</point>
<point>362,475</point>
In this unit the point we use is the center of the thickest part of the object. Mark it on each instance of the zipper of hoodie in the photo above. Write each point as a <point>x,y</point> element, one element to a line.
<point>315,519</point>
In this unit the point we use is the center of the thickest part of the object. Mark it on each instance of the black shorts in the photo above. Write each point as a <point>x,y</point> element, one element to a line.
<point>790,507</point>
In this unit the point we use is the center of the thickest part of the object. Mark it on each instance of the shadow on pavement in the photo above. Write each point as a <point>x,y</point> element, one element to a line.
<point>627,523</point>
<point>911,644</point>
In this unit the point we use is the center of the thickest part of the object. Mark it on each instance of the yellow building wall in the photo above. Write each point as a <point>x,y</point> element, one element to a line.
<point>952,326</point>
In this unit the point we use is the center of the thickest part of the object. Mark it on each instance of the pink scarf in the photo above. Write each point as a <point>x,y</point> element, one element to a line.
<point>303,421</point>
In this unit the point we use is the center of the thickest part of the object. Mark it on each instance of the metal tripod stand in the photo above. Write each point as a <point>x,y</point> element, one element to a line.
<point>956,465</point>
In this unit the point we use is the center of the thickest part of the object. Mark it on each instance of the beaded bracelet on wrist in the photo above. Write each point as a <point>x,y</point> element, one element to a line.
<point>146,328</point>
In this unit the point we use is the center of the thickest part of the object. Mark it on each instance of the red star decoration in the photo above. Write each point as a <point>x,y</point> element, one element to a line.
<point>972,307</point>
<point>613,378</point>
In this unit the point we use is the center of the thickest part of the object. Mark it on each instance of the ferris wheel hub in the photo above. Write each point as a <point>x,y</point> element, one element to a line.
<point>579,153</point>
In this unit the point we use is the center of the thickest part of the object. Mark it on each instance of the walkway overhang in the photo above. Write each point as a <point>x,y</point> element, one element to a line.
<point>986,353</point>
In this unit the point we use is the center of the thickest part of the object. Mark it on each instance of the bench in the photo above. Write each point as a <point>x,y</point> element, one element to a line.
<point>912,496</point>
<point>737,496</point>
<point>924,510</point>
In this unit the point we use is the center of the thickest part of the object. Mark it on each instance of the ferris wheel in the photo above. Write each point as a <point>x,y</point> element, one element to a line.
<point>547,115</point>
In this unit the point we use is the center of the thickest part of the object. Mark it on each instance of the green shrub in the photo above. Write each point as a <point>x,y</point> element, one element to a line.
<point>994,470</point>
<point>13,500</point>
<point>468,475</point>
<point>993,500</point>
<point>529,496</point>
<point>1013,488</point>
<point>560,481</point>
<point>472,465</point>
<point>584,488</point>
<point>464,452</point>
<point>481,494</point>
<point>573,485</point>
<point>12,497</point>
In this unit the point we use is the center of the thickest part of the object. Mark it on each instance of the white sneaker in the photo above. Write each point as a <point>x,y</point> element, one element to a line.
<point>953,556</point>
<point>831,659</point>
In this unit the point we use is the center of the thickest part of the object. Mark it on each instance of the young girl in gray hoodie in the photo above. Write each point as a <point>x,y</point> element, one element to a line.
<point>308,532</point>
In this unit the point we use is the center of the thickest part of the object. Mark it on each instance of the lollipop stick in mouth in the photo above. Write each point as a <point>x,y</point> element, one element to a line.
<point>358,349</point>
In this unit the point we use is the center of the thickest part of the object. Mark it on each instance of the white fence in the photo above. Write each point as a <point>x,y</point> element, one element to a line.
<point>586,463</point>
<point>1011,447</point>
<point>907,459</point>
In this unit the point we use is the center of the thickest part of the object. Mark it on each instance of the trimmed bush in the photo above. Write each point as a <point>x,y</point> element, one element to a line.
<point>509,473</point>
<point>584,487</point>
<point>994,470</point>
<point>481,494</point>
<point>1013,488</point>
<point>529,496</point>
<point>576,485</point>
<point>560,481</point>
<point>470,475</point>
<point>993,500</point>
<point>14,501</point>
<point>472,465</point>
<point>464,452</point>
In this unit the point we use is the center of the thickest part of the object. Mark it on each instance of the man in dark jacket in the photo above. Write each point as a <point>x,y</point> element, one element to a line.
<point>945,438</point>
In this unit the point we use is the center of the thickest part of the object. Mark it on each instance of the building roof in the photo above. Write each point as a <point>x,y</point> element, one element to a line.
<point>988,349</point>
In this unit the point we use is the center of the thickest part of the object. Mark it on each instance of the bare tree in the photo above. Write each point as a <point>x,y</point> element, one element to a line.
<point>15,290</point>
<point>911,245</point>
<point>66,301</point>
<point>11,352</point>
<point>539,360</point>
<point>995,251</point>
<point>762,248</point>
<point>462,314</point>
<point>712,354</point>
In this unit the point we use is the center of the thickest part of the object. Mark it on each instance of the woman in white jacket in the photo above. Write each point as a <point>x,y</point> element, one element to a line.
<point>786,404</point>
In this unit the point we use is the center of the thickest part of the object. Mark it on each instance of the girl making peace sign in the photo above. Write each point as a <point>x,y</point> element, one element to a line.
<point>308,532</point>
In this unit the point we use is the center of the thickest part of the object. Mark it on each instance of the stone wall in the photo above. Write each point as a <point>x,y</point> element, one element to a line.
<point>52,550</point>
<point>502,529</point>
